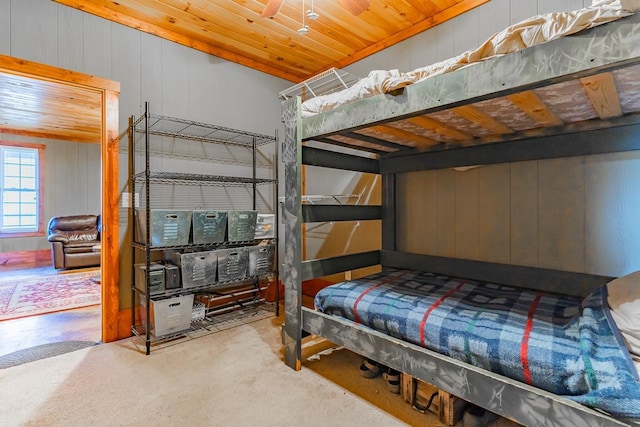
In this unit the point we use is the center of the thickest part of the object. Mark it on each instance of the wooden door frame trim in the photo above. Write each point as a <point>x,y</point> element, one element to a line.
<point>110,91</point>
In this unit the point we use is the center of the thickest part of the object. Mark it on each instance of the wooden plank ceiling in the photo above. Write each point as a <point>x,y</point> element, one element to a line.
<point>45,109</point>
<point>235,31</point>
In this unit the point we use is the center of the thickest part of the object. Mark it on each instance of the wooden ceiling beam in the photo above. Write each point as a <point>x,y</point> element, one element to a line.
<point>91,138</point>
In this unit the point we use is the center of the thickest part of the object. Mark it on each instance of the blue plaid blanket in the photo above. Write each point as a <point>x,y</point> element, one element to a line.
<point>567,345</point>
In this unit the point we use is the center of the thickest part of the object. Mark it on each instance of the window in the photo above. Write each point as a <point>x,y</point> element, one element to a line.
<point>21,189</point>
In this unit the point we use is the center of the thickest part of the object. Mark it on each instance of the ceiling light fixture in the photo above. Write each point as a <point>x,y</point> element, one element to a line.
<point>311,14</point>
<point>305,28</point>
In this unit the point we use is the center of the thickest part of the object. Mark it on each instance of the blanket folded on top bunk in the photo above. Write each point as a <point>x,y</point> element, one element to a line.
<point>529,32</point>
<point>563,344</point>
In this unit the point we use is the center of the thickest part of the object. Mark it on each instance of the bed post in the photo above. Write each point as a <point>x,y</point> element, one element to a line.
<point>292,217</point>
<point>389,211</point>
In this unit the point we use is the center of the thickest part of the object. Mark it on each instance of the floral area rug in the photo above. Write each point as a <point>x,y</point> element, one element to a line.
<point>21,297</point>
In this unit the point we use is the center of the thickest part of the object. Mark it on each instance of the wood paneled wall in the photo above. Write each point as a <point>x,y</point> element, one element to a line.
<point>576,214</point>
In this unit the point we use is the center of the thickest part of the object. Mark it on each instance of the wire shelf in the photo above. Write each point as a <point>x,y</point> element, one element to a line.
<point>198,179</point>
<point>331,80</point>
<point>203,132</point>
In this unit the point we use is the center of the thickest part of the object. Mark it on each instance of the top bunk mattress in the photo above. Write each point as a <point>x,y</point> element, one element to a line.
<point>529,32</point>
<point>567,345</point>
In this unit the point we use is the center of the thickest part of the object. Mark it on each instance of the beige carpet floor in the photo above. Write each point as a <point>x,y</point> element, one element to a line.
<point>234,377</point>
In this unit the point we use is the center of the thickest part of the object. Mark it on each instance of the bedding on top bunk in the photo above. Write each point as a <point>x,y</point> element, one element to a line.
<point>567,345</point>
<point>529,32</point>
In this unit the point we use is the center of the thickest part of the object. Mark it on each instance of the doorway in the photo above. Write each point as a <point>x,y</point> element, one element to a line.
<point>96,121</point>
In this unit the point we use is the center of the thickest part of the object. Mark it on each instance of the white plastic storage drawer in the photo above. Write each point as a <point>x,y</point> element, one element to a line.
<point>265,226</point>
<point>169,315</point>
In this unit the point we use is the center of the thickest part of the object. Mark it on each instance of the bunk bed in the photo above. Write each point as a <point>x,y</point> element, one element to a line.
<point>571,96</point>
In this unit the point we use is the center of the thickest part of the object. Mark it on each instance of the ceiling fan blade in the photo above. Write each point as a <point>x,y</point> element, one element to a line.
<point>272,8</point>
<point>356,7</point>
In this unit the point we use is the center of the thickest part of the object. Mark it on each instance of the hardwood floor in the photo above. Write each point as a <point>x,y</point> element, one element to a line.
<point>81,324</point>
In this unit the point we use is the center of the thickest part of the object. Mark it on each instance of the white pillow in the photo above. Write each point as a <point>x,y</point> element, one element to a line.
<point>624,301</point>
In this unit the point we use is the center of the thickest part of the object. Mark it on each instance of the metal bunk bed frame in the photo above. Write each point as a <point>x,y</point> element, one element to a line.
<point>605,49</point>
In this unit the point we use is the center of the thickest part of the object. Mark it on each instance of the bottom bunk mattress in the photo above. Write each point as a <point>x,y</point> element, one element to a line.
<point>567,345</point>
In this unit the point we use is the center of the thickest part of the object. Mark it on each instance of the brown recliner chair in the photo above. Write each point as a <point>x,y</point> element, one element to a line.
<point>75,241</point>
